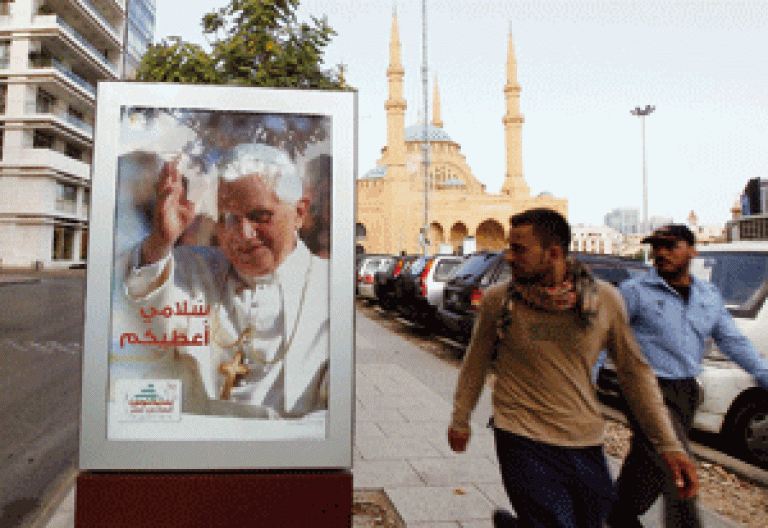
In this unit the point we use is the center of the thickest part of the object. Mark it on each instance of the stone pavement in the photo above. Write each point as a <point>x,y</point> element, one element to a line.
<point>402,411</point>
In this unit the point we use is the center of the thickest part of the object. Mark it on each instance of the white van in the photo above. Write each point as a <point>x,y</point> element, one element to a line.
<point>731,403</point>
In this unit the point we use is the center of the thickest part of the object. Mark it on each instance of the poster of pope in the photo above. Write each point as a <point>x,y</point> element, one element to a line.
<point>220,316</point>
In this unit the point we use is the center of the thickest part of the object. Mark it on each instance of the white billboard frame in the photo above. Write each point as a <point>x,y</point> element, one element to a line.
<point>218,442</point>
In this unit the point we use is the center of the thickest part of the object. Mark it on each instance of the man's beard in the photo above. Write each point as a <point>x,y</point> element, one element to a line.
<point>672,274</point>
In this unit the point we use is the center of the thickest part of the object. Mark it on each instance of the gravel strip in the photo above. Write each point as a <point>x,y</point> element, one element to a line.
<point>721,491</point>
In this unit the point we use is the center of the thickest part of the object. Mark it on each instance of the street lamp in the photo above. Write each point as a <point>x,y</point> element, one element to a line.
<point>424,238</point>
<point>642,112</point>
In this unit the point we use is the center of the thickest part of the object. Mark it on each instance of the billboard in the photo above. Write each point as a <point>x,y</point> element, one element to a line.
<point>222,229</point>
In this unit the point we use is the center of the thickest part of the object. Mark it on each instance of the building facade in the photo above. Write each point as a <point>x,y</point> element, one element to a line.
<point>750,213</point>
<point>138,34</point>
<point>601,240</point>
<point>52,55</point>
<point>390,197</point>
<point>625,220</point>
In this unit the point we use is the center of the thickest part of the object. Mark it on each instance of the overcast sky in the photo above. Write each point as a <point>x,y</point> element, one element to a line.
<point>582,67</point>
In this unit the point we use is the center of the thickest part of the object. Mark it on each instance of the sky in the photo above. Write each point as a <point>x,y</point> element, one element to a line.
<point>582,67</point>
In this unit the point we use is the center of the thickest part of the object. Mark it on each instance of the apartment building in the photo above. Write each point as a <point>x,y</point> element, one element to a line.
<point>52,55</point>
<point>601,240</point>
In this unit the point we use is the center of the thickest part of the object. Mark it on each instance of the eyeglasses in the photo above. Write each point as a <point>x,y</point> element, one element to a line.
<point>257,216</point>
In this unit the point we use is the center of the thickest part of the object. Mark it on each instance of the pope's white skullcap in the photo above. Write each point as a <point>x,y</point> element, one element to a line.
<point>269,162</point>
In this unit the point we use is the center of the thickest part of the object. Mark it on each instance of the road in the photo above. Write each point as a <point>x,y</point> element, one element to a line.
<point>41,327</point>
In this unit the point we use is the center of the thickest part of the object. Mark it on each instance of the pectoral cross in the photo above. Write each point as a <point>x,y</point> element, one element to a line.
<point>233,371</point>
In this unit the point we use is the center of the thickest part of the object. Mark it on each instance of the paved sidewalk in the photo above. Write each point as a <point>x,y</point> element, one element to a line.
<point>402,411</point>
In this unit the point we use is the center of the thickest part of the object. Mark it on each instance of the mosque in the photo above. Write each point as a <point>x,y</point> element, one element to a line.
<point>390,197</point>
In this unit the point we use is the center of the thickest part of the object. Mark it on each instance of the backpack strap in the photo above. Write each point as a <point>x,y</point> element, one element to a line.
<point>503,322</point>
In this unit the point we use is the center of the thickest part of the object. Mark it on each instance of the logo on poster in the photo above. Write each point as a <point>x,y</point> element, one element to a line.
<point>149,400</point>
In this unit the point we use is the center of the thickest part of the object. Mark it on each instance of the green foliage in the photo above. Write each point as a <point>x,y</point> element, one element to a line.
<point>173,60</point>
<point>253,43</point>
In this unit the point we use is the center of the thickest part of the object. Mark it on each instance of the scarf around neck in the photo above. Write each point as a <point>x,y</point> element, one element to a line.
<point>577,292</point>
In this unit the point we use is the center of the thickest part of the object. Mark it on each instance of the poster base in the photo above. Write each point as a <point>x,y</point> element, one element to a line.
<point>214,499</point>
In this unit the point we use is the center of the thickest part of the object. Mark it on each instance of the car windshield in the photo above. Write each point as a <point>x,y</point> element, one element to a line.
<point>417,266</point>
<point>370,266</point>
<point>472,266</point>
<point>738,276</point>
<point>444,269</point>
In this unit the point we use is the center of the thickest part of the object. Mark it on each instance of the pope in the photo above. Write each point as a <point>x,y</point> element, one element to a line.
<point>267,295</point>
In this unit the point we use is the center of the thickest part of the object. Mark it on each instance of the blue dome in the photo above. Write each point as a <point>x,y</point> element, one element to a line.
<point>416,133</point>
<point>453,182</point>
<point>545,193</point>
<point>377,172</point>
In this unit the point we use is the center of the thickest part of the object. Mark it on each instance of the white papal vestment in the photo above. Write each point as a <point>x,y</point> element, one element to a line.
<point>280,322</point>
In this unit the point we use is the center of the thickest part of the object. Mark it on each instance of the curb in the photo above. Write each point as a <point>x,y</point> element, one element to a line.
<point>54,500</point>
<point>6,280</point>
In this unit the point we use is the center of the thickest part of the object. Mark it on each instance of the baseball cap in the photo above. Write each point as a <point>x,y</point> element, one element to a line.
<point>670,233</point>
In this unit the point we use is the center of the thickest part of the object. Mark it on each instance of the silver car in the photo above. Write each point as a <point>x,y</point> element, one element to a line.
<point>367,274</point>
<point>441,270</point>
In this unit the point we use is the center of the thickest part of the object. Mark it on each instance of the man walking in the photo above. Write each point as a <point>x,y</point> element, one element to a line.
<point>542,333</point>
<point>673,315</point>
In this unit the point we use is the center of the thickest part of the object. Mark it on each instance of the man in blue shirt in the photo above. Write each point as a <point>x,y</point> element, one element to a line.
<point>673,316</point>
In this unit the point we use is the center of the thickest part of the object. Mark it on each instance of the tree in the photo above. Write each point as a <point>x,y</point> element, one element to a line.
<point>253,43</point>
<point>173,60</point>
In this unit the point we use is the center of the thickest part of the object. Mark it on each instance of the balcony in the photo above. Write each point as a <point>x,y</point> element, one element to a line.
<point>47,62</point>
<point>42,107</point>
<point>65,206</point>
<point>55,20</point>
<point>51,159</point>
<point>79,123</point>
<point>97,14</point>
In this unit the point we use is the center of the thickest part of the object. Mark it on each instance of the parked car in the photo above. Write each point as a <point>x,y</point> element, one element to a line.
<point>433,283</point>
<point>610,268</point>
<point>368,272</point>
<point>732,404</point>
<point>463,291</point>
<point>384,281</point>
<point>362,262</point>
<point>406,285</point>
<point>418,288</point>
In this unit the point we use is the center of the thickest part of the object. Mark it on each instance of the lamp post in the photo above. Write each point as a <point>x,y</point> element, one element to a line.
<point>425,139</point>
<point>642,112</point>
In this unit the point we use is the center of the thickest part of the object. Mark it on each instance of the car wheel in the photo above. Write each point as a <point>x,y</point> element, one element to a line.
<point>749,430</point>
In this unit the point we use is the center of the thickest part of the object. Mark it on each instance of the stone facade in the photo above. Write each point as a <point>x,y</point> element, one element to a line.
<point>390,197</point>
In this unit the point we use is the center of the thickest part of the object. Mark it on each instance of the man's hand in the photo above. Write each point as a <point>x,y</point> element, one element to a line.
<point>173,214</point>
<point>683,473</point>
<point>458,441</point>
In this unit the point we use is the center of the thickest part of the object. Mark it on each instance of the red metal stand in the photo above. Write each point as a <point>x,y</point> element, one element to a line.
<point>214,499</point>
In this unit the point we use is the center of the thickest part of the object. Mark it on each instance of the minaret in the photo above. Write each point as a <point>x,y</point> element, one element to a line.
<point>395,106</point>
<point>514,185</point>
<point>436,119</point>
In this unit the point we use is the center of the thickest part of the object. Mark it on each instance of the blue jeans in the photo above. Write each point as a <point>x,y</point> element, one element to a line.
<point>551,486</point>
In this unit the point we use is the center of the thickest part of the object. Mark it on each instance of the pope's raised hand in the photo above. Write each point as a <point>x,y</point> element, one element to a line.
<point>173,214</point>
